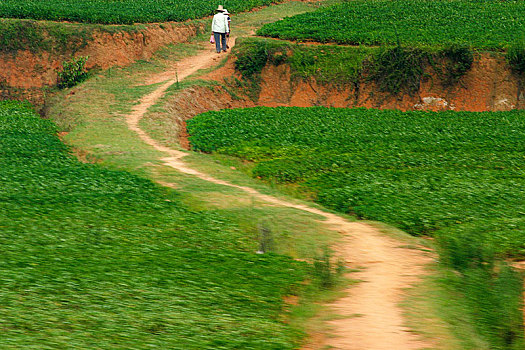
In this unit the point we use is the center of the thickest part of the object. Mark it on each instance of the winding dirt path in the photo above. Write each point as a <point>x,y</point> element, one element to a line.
<point>373,319</point>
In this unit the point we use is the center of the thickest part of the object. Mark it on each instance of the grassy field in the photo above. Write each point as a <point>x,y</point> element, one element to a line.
<point>455,175</point>
<point>481,24</point>
<point>95,258</point>
<point>120,12</point>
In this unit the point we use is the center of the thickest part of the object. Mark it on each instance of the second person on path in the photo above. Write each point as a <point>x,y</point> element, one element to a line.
<point>219,27</point>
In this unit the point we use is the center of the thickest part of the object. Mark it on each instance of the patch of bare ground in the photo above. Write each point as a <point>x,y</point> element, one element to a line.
<point>370,314</point>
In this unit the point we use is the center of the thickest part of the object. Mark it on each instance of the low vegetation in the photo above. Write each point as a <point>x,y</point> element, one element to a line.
<point>73,72</point>
<point>328,64</point>
<point>482,24</point>
<point>95,258</point>
<point>455,175</point>
<point>120,12</point>
<point>516,57</point>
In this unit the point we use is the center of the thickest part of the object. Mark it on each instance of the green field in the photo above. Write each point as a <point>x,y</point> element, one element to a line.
<point>93,258</point>
<point>421,171</point>
<point>482,24</point>
<point>456,175</point>
<point>120,12</point>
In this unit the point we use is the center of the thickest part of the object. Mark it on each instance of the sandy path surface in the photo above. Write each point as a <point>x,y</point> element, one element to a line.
<point>374,319</point>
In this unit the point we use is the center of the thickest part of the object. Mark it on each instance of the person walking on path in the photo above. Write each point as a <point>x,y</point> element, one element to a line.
<point>227,14</point>
<point>219,27</point>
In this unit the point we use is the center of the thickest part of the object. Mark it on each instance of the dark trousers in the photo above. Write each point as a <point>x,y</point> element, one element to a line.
<point>220,39</point>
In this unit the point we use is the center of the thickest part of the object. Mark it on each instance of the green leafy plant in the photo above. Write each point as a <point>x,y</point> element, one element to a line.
<point>397,69</point>
<point>458,60</point>
<point>252,57</point>
<point>516,57</point>
<point>466,250</point>
<point>495,299</point>
<point>119,12</point>
<point>73,72</point>
<point>325,271</point>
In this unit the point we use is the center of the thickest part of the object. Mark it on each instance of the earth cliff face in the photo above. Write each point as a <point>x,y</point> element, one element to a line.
<point>23,74</point>
<point>488,86</point>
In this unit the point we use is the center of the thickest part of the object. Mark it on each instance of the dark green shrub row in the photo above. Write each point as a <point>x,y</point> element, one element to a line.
<point>481,24</point>
<point>93,258</point>
<point>120,12</point>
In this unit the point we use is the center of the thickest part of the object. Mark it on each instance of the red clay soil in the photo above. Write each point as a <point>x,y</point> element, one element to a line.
<point>488,86</point>
<point>23,73</point>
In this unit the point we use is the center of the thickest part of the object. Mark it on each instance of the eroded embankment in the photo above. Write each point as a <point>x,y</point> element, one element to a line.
<point>29,66</point>
<point>276,73</point>
<point>488,86</point>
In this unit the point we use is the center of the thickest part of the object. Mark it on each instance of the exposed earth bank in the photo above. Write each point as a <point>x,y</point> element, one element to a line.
<point>489,85</point>
<point>26,73</point>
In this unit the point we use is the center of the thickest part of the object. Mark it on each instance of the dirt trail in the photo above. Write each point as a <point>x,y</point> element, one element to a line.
<point>375,320</point>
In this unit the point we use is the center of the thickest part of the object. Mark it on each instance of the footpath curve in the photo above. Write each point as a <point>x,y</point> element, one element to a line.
<point>371,317</point>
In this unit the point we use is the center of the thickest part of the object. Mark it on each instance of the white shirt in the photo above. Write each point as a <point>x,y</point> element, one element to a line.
<point>220,23</point>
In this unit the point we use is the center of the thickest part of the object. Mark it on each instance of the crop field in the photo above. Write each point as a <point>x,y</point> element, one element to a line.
<point>120,12</point>
<point>457,176</point>
<point>481,24</point>
<point>423,172</point>
<point>94,258</point>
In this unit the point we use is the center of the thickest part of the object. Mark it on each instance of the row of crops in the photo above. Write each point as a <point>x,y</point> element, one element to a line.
<point>482,24</point>
<point>92,258</point>
<point>122,11</point>
<point>456,176</point>
<point>422,171</point>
